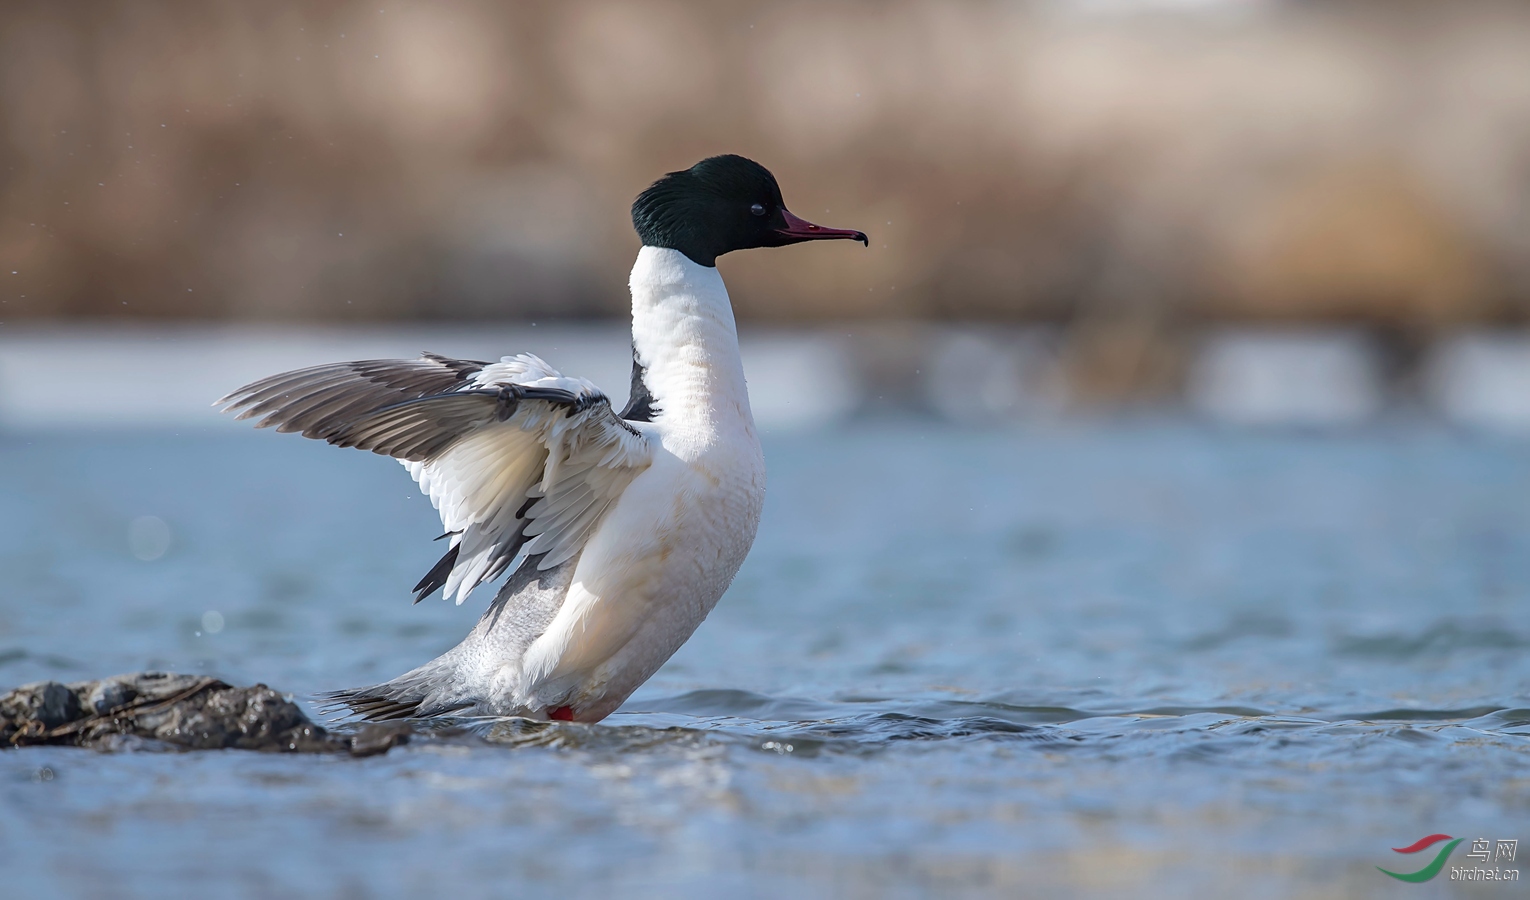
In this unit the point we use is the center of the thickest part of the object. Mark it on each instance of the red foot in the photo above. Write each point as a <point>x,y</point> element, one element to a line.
<point>561,713</point>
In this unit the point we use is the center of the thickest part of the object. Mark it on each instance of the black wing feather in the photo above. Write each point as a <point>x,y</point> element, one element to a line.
<point>435,579</point>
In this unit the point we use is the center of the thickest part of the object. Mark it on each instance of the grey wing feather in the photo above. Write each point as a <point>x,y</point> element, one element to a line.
<point>420,429</point>
<point>319,401</point>
<point>417,429</point>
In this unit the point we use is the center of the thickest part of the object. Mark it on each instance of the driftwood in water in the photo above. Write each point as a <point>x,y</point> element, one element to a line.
<point>185,711</point>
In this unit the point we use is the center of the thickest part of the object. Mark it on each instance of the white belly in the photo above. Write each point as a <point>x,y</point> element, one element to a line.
<point>656,567</point>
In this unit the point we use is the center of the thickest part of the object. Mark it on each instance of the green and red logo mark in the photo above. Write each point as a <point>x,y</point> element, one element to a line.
<point>1435,865</point>
<point>1481,853</point>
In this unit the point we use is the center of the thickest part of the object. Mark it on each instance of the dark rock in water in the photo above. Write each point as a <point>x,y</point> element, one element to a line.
<point>48,703</point>
<point>185,711</point>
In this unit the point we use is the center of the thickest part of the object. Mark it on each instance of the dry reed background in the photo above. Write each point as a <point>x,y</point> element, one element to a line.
<point>1127,168</point>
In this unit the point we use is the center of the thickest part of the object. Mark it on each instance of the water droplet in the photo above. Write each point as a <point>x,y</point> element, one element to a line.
<point>212,621</point>
<point>148,537</point>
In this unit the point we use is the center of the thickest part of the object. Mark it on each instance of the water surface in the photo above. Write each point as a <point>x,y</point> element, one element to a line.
<point>1139,657</point>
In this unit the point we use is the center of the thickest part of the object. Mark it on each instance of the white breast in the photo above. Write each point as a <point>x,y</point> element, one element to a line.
<point>668,549</point>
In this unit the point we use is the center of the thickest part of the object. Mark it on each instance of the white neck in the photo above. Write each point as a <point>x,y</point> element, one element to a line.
<point>683,333</point>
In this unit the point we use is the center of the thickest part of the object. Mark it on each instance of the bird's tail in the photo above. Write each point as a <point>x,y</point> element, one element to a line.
<point>458,682</point>
<point>434,689</point>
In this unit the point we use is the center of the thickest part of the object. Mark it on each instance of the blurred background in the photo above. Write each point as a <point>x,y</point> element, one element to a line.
<point>1147,508</point>
<point>1272,211</point>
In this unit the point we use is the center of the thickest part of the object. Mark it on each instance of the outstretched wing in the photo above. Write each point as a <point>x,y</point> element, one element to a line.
<point>519,460</point>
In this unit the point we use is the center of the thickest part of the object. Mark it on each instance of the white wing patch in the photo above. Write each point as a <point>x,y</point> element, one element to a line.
<point>535,484</point>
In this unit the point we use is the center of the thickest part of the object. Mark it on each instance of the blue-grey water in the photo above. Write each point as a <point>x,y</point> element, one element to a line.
<point>1139,658</point>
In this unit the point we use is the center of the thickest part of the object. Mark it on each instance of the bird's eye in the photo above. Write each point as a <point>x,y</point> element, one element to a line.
<point>758,209</point>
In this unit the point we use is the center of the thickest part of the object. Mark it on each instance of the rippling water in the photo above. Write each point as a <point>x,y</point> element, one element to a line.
<point>1143,658</point>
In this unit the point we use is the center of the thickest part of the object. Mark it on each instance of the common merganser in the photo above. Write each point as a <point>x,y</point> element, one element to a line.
<point>621,530</point>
